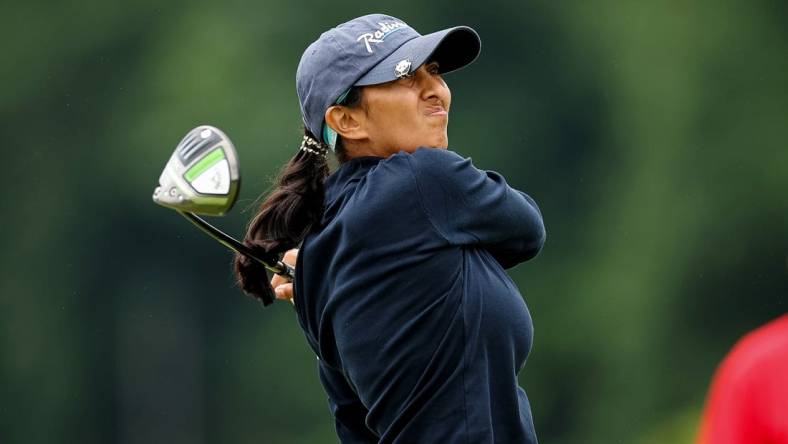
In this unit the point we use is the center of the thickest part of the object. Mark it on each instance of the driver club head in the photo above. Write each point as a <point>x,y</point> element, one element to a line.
<point>202,174</point>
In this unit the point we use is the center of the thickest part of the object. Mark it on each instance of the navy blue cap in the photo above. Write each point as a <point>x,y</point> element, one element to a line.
<point>370,50</point>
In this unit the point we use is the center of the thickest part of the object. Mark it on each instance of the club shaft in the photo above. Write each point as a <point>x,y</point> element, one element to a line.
<point>271,262</point>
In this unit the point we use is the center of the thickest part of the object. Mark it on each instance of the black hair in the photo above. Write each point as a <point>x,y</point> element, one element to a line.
<point>288,213</point>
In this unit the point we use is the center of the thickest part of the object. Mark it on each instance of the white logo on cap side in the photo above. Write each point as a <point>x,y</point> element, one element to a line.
<point>380,34</point>
<point>402,70</point>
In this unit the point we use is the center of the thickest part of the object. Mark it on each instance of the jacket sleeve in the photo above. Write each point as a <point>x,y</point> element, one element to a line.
<point>348,411</point>
<point>468,206</point>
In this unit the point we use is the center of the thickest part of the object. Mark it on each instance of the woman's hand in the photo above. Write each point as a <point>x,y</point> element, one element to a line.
<point>281,284</point>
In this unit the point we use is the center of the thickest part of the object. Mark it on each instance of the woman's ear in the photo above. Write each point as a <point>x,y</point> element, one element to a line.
<point>347,122</point>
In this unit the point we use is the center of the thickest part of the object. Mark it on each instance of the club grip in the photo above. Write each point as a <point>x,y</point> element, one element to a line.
<point>285,270</point>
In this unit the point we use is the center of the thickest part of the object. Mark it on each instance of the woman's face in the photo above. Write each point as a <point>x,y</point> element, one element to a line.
<point>404,114</point>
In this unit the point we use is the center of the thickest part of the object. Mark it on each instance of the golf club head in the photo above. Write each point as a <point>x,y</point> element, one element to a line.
<point>202,174</point>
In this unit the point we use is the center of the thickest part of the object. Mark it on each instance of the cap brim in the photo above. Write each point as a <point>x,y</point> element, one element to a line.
<point>452,48</point>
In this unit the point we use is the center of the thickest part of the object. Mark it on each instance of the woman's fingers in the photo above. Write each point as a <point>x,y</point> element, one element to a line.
<point>278,280</point>
<point>282,286</point>
<point>290,257</point>
<point>284,291</point>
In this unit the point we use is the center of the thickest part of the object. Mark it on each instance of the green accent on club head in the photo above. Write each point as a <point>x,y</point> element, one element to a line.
<point>206,162</point>
<point>209,201</point>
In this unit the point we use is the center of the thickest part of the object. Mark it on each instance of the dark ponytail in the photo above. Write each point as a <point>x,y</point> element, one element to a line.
<point>288,213</point>
<point>284,217</point>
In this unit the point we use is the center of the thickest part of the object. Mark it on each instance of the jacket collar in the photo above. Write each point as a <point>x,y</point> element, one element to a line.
<point>352,170</point>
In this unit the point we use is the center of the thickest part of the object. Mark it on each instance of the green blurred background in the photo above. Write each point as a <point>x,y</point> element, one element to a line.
<point>652,134</point>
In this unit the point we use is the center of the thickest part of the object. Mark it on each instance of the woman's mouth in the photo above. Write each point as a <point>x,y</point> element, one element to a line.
<point>435,111</point>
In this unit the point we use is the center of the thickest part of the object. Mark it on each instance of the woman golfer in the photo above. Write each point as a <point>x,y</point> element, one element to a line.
<point>400,285</point>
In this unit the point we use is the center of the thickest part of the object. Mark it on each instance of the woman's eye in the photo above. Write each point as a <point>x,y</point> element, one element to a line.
<point>409,79</point>
<point>433,69</point>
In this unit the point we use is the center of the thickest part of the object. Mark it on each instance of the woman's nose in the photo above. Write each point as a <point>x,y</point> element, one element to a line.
<point>432,85</point>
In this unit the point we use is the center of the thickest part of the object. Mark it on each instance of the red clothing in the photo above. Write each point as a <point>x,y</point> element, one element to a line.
<point>748,400</point>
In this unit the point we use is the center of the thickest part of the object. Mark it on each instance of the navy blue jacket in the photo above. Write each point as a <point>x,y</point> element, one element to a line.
<point>402,294</point>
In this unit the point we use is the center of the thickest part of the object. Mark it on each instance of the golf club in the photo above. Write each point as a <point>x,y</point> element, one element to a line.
<point>202,177</point>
